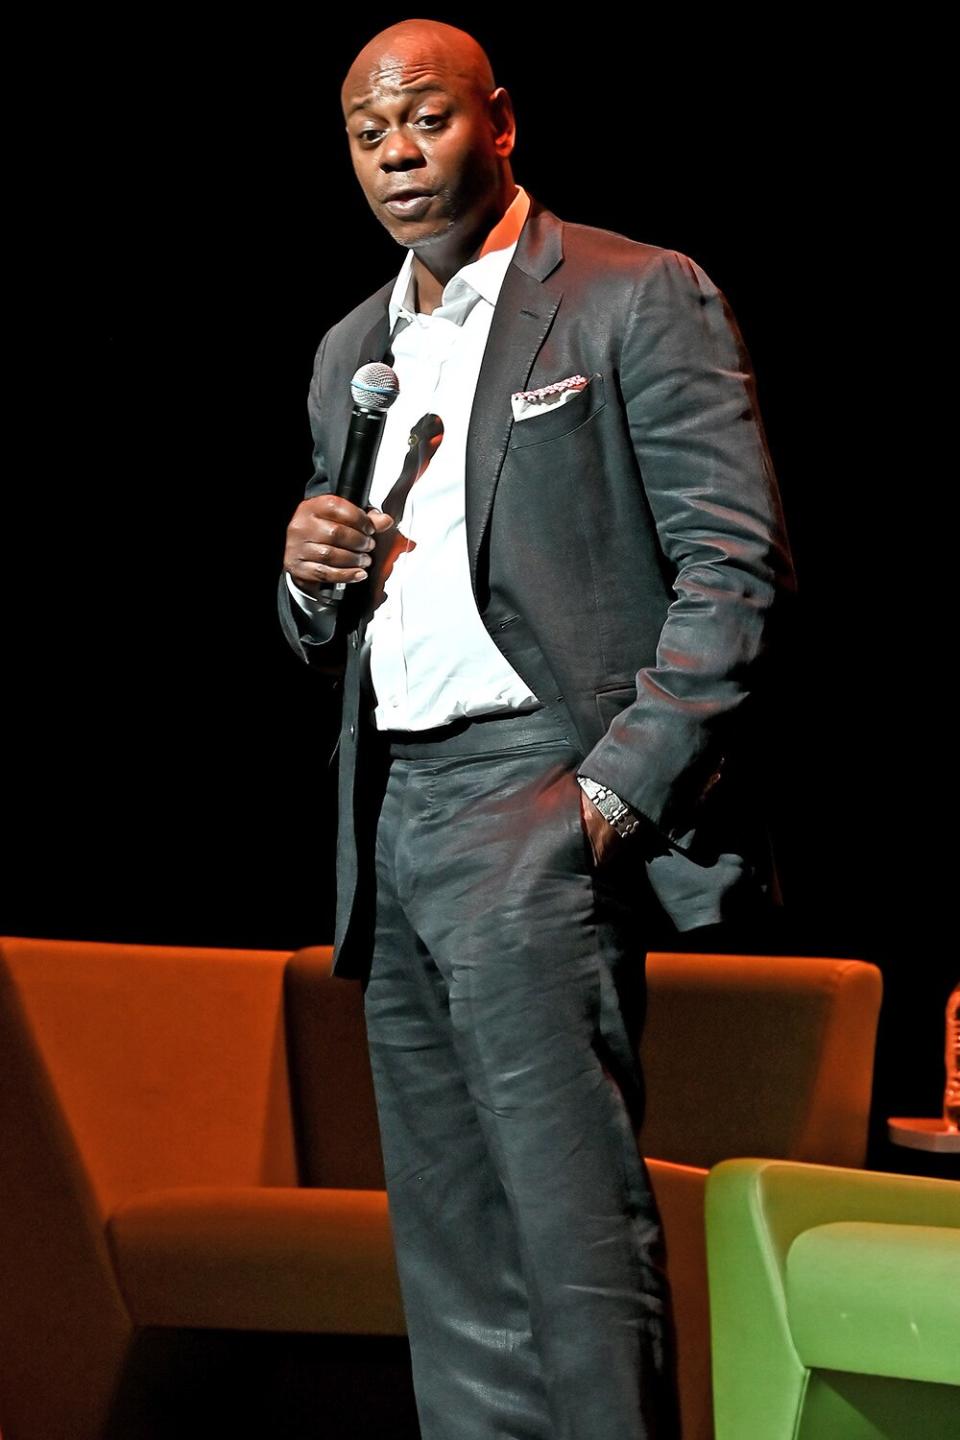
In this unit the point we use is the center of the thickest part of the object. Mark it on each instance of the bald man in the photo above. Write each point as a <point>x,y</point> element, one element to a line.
<point>549,630</point>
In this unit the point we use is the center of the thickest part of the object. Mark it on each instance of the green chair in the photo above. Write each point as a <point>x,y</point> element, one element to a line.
<point>834,1303</point>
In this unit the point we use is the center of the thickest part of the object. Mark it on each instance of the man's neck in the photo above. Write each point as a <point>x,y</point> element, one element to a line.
<point>427,288</point>
<point>430,280</point>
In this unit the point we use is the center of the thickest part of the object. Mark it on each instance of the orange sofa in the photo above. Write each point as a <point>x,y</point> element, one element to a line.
<point>155,1174</point>
<point>188,1142</point>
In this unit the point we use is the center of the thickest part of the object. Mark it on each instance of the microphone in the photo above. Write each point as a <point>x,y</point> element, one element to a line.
<point>374,388</point>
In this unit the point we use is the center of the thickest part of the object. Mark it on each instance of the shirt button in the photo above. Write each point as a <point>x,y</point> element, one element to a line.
<point>353,731</point>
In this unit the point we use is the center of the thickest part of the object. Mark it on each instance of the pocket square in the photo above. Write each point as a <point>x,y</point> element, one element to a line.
<point>534,402</point>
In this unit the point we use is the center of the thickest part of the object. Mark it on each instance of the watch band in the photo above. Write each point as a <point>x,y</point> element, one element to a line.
<point>611,807</point>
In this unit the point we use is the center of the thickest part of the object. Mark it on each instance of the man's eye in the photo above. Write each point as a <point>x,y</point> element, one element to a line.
<point>371,136</point>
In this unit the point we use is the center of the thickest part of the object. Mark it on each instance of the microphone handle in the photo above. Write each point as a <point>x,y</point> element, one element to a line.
<point>360,454</point>
<point>356,468</point>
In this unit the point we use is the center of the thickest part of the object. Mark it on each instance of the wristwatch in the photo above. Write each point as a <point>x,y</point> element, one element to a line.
<point>611,807</point>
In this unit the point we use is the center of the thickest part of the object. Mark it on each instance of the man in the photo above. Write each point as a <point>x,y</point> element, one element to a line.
<point>555,610</point>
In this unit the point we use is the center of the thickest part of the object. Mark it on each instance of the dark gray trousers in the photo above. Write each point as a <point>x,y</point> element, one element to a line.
<point>503,1008</point>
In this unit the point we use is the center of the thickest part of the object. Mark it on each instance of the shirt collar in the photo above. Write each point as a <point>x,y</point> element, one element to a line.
<point>484,276</point>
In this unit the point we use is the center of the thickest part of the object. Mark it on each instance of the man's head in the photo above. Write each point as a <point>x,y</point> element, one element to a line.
<point>424,118</point>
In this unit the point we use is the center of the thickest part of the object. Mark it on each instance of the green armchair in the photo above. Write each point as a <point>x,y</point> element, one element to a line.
<point>834,1303</point>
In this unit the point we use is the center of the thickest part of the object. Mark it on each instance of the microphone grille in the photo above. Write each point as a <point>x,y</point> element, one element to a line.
<point>375,386</point>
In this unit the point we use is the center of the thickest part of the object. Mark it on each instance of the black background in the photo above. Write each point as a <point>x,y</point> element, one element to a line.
<point>188,225</point>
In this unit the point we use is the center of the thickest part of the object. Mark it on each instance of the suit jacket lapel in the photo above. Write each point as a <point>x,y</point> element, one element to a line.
<point>374,344</point>
<point>521,322</point>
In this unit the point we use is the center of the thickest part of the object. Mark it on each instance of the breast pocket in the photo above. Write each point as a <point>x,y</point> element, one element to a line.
<point>561,419</point>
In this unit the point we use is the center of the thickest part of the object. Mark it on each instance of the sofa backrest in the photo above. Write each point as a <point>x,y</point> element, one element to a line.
<point>335,1109</point>
<point>153,1066</point>
<point>758,1055</point>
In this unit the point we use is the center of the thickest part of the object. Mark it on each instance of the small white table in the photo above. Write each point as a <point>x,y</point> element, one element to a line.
<point>924,1134</point>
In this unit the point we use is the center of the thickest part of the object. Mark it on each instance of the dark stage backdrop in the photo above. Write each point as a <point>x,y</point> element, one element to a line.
<point>190,226</point>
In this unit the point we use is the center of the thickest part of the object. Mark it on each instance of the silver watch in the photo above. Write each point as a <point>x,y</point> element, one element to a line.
<point>611,807</point>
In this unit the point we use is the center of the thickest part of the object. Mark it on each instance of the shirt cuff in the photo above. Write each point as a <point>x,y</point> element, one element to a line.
<point>309,603</point>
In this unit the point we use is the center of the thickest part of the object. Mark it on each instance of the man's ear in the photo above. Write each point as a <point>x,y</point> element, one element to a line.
<point>503,120</point>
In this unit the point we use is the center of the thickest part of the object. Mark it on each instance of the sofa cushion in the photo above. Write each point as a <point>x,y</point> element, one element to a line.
<point>258,1258</point>
<point>877,1299</point>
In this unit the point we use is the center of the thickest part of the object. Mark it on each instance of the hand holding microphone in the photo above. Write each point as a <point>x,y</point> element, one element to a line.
<point>331,537</point>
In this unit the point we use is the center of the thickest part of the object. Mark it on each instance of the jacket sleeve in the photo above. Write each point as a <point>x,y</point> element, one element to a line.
<point>700,446</point>
<point>313,637</point>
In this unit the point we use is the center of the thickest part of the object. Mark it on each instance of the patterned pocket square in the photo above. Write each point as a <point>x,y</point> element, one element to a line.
<point>527,403</point>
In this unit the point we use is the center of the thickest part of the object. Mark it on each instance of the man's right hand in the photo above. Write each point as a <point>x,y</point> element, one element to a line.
<point>329,542</point>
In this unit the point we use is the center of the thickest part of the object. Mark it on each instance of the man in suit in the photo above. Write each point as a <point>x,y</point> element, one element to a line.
<point>555,614</point>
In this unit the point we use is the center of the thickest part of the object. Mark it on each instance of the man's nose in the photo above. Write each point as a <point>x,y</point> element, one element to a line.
<point>399,151</point>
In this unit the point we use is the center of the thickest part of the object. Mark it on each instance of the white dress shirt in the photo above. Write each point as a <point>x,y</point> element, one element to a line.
<point>430,657</point>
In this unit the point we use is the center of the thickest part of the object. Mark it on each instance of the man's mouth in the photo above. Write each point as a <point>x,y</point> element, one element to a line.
<point>409,203</point>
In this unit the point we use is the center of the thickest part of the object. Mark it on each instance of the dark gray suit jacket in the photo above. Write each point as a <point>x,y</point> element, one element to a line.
<point>627,553</point>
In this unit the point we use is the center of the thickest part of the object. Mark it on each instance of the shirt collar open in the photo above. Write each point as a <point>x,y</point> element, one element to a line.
<point>483,276</point>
